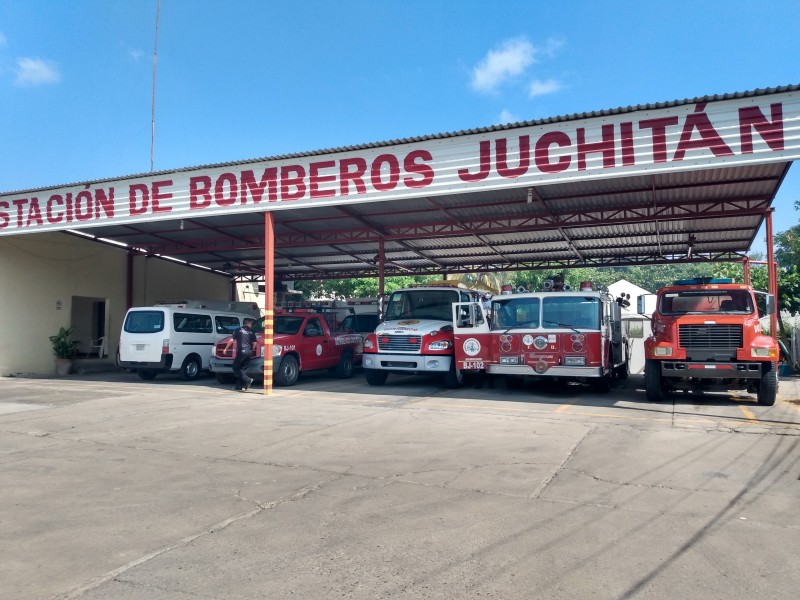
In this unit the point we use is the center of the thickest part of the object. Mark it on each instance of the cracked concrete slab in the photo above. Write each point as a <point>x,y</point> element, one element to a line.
<point>120,489</point>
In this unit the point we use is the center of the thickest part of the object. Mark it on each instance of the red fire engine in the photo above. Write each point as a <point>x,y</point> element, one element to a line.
<point>553,334</point>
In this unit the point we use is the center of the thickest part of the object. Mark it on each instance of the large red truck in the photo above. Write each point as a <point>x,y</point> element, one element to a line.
<point>416,335</point>
<point>304,340</point>
<point>707,335</point>
<point>549,335</point>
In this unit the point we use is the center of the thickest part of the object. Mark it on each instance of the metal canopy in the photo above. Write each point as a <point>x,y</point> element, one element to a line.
<point>675,217</point>
<point>707,209</point>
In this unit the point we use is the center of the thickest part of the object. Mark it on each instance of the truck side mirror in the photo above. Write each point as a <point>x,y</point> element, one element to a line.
<point>770,305</point>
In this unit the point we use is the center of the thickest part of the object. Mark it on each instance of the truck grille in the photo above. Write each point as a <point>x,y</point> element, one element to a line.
<point>399,343</point>
<point>711,336</point>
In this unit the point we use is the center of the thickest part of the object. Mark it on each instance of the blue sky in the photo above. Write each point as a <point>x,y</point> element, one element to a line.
<point>241,79</point>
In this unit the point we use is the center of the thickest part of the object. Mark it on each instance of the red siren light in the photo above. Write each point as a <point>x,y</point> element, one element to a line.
<point>586,286</point>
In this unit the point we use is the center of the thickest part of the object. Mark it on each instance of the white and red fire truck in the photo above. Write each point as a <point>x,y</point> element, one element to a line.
<point>416,335</point>
<point>566,335</point>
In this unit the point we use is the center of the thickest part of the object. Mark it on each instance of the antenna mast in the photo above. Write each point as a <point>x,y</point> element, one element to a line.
<point>153,110</point>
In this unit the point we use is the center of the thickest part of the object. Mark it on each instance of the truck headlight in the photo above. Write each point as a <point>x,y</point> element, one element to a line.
<point>440,345</point>
<point>509,360</point>
<point>368,343</point>
<point>762,352</point>
<point>574,361</point>
<point>277,350</point>
<point>662,351</point>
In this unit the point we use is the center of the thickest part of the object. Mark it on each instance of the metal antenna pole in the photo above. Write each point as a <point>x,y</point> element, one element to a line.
<point>153,111</point>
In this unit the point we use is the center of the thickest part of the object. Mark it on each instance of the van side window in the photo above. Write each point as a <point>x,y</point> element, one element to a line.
<point>191,323</point>
<point>226,325</point>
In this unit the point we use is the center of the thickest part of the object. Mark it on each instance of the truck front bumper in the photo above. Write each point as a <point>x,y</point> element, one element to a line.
<point>553,371</point>
<point>409,363</point>
<point>706,370</point>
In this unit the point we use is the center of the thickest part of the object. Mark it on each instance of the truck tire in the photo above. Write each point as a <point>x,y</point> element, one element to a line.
<point>147,374</point>
<point>768,386</point>
<point>344,370</point>
<point>190,369</point>
<point>289,371</point>
<point>653,384</point>
<point>225,378</point>
<point>621,372</point>
<point>454,378</point>
<point>375,376</point>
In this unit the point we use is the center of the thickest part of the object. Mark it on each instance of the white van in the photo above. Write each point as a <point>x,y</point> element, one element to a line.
<point>162,339</point>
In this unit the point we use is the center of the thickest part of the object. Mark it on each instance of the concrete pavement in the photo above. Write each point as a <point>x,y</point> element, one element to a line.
<point>118,488</point>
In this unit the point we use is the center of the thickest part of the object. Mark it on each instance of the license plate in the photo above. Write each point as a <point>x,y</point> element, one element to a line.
<point>139,347</point>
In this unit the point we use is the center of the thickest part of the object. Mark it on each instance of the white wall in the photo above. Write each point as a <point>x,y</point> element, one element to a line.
<point>40,274</point>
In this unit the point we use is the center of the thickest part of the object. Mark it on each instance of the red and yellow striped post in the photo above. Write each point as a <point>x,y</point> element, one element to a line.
<point>269,299</point>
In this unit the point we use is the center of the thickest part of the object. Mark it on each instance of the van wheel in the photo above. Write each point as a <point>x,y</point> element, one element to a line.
<point>147,374</point>
<point>768,386</point>
<point>225,378</point>
<point>288,372</point>
<point>190,369</point>
<point>344,370</point>
<point>376,376</point>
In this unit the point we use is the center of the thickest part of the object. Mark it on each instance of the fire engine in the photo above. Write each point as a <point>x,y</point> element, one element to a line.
<point>552,334</point>
<point>707,335</point>
<point>416,335</point>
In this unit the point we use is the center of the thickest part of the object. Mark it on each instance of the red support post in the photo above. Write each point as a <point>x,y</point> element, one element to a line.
<point>772,271</point>
<point>269,297</point>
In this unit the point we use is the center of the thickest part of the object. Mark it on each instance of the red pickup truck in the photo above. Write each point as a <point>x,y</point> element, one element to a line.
<point>303,341</point>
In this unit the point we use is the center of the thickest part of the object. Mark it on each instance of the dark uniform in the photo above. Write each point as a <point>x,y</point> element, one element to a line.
<point>245,341</point>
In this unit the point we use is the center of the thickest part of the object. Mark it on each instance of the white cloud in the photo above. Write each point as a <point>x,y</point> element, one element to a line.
<point>511,58</point>
<point>540,88</point>
<point>506,116</point>
<point>135,54</point>
<point>35,71</point>
<point>3,39</point>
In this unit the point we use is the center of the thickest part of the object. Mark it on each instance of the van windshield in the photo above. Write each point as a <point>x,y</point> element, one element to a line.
<point>144,321</point>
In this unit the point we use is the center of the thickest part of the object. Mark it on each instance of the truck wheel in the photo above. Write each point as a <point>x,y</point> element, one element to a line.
<point>768,386</point>
<point>225,378</point>
<point>344,370</point>
<point>376,376</point>
<point>653,384</point>
<point>190,369</point>
<point>622,371</point>
<point>288,372</point>
<point>147,374</point>
<point>454,378</point>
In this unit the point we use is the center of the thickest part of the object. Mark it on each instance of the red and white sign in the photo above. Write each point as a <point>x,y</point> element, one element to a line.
<point>753,129</point>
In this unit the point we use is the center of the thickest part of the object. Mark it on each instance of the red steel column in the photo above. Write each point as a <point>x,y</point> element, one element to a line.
<point>746,269</point>
<point>269,297</point>
<point>380,268</point>
<point>773,277</point>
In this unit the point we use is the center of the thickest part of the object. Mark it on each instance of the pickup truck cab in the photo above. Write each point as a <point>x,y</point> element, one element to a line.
<point>303,341</point>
